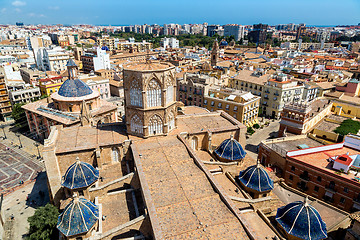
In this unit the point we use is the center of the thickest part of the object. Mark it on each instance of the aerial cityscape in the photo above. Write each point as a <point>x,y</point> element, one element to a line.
<point>167,120</point>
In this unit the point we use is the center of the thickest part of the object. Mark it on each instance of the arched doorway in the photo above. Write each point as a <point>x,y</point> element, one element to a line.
<point>194,142</point>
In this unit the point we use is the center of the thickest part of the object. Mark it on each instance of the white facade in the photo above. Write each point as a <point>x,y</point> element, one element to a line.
<point>51,59</point>
<point>102,60</point>
<point>169,43</point>
<point>234,30</point>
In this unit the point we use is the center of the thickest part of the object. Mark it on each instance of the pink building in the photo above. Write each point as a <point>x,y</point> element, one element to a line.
<point>351,88</point>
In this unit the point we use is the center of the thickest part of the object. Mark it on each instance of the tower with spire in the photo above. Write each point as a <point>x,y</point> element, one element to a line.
<point>215,53</point>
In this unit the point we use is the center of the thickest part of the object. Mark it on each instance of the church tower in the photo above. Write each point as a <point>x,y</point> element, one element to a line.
<point>150,98</point>
<point>215,53</point>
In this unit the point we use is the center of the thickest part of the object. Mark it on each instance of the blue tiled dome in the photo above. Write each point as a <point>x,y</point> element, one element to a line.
<point>80,175</point>
<point>256,178</point>
<point>78,217</point>
<point>223,43</point>
<point>230,149</point>
<point>74,88</point>
<point>302,220</point>
<point>105,48</point>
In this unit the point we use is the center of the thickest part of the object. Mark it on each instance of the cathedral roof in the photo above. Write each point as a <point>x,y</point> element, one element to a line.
<point>79,175</point>
<point>230,149</point>
<point>74,88</point>
<point>78,217</point>
<point>256,178</point>
<point>302,220</point>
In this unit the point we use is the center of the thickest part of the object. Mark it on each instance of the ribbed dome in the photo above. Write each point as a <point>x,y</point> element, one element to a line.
<point>302,220</point>
<point>230,149</point>
<point>223,43</point>
<point>74,88</point>
<point>256,178</point>
<point>79,175</point>
<point>79,216</point>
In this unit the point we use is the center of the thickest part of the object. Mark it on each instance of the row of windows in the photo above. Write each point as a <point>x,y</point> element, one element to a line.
<point>318,179</point>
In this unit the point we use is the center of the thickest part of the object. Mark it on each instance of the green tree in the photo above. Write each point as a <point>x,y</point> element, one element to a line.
<point>348,126</point>
<point>43,223</point>
<point>18,114</point>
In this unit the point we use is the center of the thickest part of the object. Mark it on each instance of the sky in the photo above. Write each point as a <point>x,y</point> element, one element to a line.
<point>129,12</point>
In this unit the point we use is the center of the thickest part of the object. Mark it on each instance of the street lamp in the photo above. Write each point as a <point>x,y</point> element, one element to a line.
<point>2,126</point>
<point>37,146</point>
<point>18,135</point>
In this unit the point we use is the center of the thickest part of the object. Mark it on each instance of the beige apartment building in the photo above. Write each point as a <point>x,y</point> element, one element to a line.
<point>5,105</point>
<point>106,41</point>
<point>243,106</point>
<point>191,88</point>
<point>251,81</point>
<point>134,46</point>
<point>279,90</point>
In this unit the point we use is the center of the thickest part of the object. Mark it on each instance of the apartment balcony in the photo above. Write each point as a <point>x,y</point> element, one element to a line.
<point>267,91</point>
<point>266,97</point>
<point>276,94</point>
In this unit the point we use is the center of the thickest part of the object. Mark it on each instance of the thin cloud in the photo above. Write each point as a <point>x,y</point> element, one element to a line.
<point>3,10</point>
<point>54,7</point>
<point>18,10</point>
<point>18,3</point>
<point>36,15</point>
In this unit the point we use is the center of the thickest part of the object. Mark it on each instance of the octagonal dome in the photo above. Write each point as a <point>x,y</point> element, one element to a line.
<point>78,217</point>
<point>301,220</point>
<point>230,149</point>
<point>80,175</point>
<point>256,178</point>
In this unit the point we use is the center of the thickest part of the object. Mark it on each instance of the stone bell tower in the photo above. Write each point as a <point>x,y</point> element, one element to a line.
<point>150,98</point>
<point>215,53</point>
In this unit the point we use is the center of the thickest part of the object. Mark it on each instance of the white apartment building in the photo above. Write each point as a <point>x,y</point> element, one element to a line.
<point>51,59</point>
<point>234,30</point>
<point>102,60</point>
<point>302,45</point>
<point>169,43</point>
<point>25,95</point>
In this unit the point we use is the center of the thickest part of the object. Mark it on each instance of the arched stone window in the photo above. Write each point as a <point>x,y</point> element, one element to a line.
<point>135,94</point>
<point>171,121</point>
<point>155,125</point>
<point>136,125</point>
<point>153,94</point>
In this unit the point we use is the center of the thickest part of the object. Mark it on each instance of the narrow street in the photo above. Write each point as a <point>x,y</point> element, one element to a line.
<point>261,134</point>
